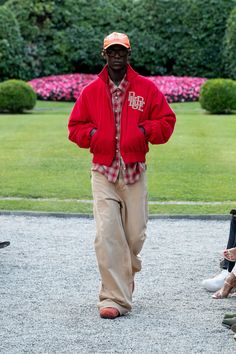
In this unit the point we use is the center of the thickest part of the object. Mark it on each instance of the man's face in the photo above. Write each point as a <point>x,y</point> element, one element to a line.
<point>116,56</point>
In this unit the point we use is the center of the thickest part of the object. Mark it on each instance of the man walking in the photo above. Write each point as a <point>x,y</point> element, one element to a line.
<point>116,116</point>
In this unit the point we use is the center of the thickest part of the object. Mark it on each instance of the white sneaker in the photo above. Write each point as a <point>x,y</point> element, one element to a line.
<point>215,283</point>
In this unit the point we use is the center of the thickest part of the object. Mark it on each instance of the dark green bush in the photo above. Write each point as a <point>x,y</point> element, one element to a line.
<point>65,35</point>
<point>174,37</point>
<point>200,50</point>
<point>230,46</point>
<point>37,30</point>
<point>16,96</point>
<point>11,52</point>
<point>179,37</point>
<point>218,96</point>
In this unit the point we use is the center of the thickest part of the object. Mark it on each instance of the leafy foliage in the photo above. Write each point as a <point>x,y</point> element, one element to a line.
<point>38,30</point>
<point>11,53</point>
<point>218,96</point>
<point>171,37</point>
<point>230,45</point>
<point>16,96</point>
<point>180,37</point>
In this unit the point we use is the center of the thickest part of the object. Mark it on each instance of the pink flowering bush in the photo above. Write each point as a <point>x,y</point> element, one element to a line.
<point>69,86</point>
<point>179,89</point>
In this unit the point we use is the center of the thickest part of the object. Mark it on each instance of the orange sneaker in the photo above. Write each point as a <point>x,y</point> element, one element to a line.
<point>109,312</point>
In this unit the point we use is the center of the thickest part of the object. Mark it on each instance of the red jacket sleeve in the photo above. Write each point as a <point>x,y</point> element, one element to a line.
<point>80,123</point>
<point>160,125</point>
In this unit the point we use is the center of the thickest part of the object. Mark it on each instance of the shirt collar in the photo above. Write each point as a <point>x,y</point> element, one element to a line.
<point>122,85</point>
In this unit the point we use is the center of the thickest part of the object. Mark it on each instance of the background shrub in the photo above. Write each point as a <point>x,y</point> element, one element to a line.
<point>16,96</point>
<point>38,29</point>
<point>230,45</point>
<point>11,52</point>
<point>171,37</point>
<point>218,96</point>
<point>200,49</point>
<point>179,37</point>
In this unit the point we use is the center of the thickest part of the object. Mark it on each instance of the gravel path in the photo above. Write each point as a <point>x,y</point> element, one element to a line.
<point>49,284</point>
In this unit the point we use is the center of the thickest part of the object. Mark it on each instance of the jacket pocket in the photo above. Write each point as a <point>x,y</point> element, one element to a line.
<point>135,141</point>
<point>93,141</point>
<point>101,143</point>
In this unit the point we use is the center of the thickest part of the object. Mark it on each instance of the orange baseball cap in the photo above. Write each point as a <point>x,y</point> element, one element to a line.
<point>116,38</point>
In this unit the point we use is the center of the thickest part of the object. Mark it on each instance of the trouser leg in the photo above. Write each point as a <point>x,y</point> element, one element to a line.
<point>118,238</point>
<point>134,217</point>
<point>111,247</point>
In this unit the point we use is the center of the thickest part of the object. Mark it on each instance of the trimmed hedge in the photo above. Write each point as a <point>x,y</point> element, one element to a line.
<point>11,52</point>
<point>38,31</point>
<point>218,96</point>
<point>180,37</point>
<point>171,37</point>
<point>230,45</point>
<point>16,96</point>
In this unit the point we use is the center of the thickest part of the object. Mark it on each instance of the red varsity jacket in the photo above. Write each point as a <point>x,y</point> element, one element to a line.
<point>144,105</point>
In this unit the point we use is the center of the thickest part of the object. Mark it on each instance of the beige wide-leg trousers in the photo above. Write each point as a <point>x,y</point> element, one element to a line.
<point>120,213</point>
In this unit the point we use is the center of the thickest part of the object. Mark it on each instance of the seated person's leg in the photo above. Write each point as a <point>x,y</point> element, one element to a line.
<point>217,282</point>
<point>232,239</point>
<point>229,284</point>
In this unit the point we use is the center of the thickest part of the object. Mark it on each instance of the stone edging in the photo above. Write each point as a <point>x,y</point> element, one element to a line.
<point>90,216</point>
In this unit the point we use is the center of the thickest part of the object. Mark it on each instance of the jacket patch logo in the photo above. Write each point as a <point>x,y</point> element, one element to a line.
<point>136,102</point>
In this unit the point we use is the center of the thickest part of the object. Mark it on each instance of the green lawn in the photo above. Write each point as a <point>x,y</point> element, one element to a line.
<point>38,161</point>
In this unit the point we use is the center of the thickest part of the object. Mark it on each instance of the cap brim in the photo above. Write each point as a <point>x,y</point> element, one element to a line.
<point>113,43</point>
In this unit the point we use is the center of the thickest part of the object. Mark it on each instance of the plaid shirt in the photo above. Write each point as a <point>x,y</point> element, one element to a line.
<point>130,172</point>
